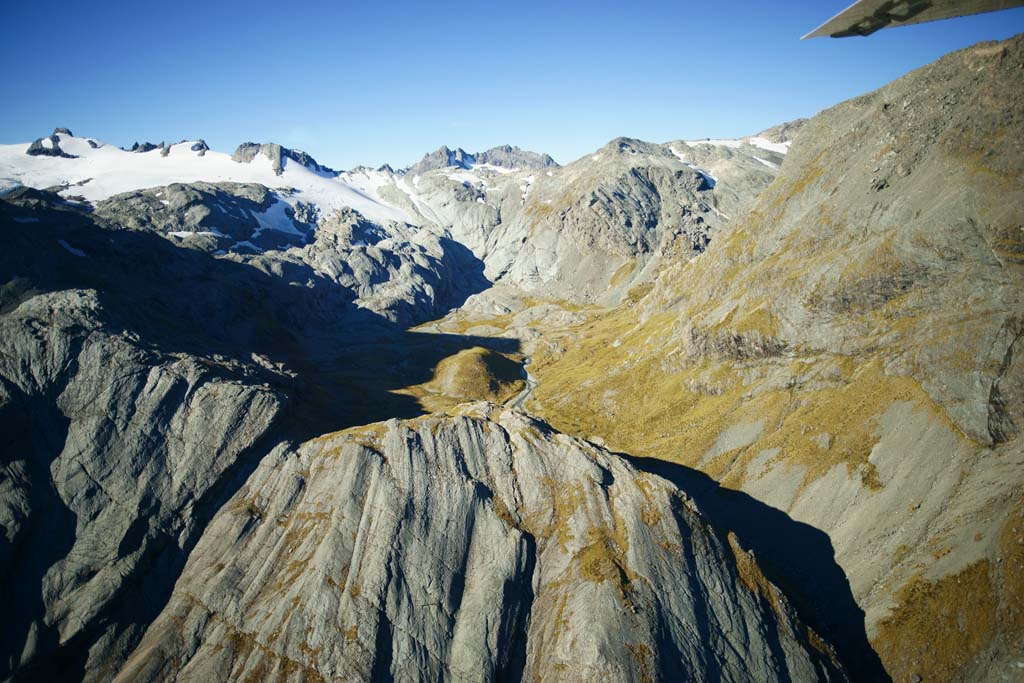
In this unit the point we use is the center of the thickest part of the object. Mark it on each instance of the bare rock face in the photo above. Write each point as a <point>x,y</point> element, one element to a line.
<point>49,146</point>
<point>504,156</point>
<point>847,351</point>
<point>278,155</point>
<point>593,229</point>
<point>468,548</point>
<point>399,273</point>
<point>112,459</point>
<point>213,215</point>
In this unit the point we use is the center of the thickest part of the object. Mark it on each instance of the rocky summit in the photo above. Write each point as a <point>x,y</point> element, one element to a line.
<point>710,410</point>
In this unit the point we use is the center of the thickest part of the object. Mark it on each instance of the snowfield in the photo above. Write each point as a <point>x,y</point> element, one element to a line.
<point>104,171</point>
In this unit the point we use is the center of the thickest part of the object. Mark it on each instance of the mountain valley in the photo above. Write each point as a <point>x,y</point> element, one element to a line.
<point>723,410</point>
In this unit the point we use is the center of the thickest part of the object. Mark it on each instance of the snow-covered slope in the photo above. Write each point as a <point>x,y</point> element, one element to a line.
<point>102,170</point>
<point>756,141</point>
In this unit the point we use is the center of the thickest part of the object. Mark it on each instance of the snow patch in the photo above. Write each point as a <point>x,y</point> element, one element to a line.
<point>189,233</point>
<point>248,245</point>
<point>766,144</point>
<point>734,144</point>
<point>710,179</point>
<point>465,177</point>
<point>276,218</point>
<point>492,168</point>
<point>525,187</point>
<point>70,249</point>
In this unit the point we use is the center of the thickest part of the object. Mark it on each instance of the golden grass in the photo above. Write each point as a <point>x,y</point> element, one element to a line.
<point>754,579</point>
<point>941,627</point>
<point>474,374</point>
<point>626,382</point>
<point>623,273</point>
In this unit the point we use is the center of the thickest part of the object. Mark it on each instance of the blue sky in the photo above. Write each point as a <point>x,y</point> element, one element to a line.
<point>368,83</point>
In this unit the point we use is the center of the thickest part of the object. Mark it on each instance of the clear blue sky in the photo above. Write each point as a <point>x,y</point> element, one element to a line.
<point>375,82</point>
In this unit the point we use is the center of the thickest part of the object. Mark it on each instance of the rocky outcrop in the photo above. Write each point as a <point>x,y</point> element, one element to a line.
<point>468,548</point>
<point>443,158</point>
<point>596,228</point>
<point>403,275</point>
<point>143,147</point>
<point>508,156</point>
<point>784,132</point>
<point>48,147</point>
<point>116,455</point>
<point>211,216</point>
<point>247,151</point>
<point>504,156</point>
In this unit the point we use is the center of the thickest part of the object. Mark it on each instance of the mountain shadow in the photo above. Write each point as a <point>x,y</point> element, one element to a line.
<point>796,557</point>
<point>303,335</point>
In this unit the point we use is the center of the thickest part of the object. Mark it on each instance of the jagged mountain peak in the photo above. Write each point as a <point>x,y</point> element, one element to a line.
<point>503,156</point>
<point>510,156</point>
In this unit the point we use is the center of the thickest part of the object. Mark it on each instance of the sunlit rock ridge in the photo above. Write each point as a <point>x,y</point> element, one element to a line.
<point>732,410</point>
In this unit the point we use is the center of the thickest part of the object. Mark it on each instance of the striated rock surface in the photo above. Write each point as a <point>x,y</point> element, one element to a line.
<point>468,548</point>
<point>846,351</point>
<point>113,458</point>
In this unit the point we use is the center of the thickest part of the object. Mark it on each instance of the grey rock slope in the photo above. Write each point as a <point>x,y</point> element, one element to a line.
<point>140,382</point>
<point>113,457</point>
<point>398,272</point>
<point>505,156</point>
<point>469,548</point>
<point>848,352</point>
<point>229,214</point>
<point>147,384</point>
<point>593,229</point>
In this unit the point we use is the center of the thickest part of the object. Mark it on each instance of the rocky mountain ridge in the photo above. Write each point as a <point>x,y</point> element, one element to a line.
<point>470,548</point>
<point>845,351</point>
<point>808,354</point>
<point>504,156</point>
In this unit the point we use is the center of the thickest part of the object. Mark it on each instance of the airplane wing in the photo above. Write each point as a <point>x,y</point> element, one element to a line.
<point>864,17</point>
